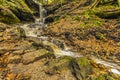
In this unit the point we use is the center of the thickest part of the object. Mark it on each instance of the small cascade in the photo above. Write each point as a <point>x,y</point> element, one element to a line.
<point>35,29</point>
<point>42,14</point>
<point>115,68</point>
<point>58,52</point>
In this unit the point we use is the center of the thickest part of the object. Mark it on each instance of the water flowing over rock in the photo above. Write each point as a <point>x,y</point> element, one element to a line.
<point>62,50</point>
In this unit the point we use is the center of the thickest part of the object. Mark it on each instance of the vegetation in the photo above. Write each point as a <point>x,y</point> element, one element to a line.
<point>59,39</point>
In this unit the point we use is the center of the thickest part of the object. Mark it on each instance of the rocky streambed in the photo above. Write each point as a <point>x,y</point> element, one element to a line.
<point>76,46</point>
<point>32,57</point>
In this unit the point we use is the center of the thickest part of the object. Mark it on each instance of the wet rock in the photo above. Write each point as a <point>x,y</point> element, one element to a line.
<point>1,39</point>
<point>14,59</point>
<point>59,43</point>
<point>58,65</point>
<point>7,15</point>
<point>21,10</point>
<point>2,51</point>
<point>104,77</point>
<point>36,41</point>
<point>23,77</point>
<point>15,11</point>
<point>21,32</point>
<point>33,6</point>
<point>14,33</point>
<point>68,36</point>
<point>2,27</point>
<point>1,34</point>
<point>81,68</point>
<point>18,52</point>
<point>36,55</point>
<point>117,56</point>
<point>49,48</point>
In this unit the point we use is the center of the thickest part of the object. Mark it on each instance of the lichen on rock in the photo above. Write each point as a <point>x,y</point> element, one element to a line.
<point>12,11</point>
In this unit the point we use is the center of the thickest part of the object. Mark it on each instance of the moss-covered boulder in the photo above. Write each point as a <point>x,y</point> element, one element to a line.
<point>105,77</point>
<point>33,6</point>
<point>107,11</point>
<point>14,11</point>
<point>81,68</point>
<point>36,55</point>
<point>59,64</point>
<point>7,16</point>
<point>21,10</point>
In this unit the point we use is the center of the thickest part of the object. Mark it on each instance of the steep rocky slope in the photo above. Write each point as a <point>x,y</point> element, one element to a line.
<point>12,11</point>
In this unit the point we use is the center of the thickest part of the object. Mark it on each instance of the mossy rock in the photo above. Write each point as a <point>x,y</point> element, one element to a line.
<point>81,68</point>
<point>59,64</point>
<point>21,32</point>
<point>33,6</point>
<point>107,11</point>
<point>21,10</point>
<point>7,16</point>
<point>14,11</point>
<point>105,77</point>
<point>36,55</point>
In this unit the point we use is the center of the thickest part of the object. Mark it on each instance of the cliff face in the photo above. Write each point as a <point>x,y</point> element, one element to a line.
<point>12,11</point>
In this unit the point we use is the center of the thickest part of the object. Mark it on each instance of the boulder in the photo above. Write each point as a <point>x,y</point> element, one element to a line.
<point>81,68</point>
<point>33,6</point>
<point>36,55</point>
<point>14,59</point>
<point>58,65</point>
<point>21,10</point>
<point>12,11</point>
<point>7,16</point>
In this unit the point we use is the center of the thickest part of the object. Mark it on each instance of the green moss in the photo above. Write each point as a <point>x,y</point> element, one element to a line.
<point>100,36</point>
<point>108,11</point>
<point>77,18</point>
<point>81,68</point>
<point>15,10</point>
<point>21,32</point>
<point>59,64</point>
<point>105,77</point>
<point>7,16</point>
<point>82,61</point>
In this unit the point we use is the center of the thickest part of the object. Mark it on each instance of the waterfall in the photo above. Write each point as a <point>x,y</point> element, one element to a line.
<point>42,14</point>
<point>34,30</point>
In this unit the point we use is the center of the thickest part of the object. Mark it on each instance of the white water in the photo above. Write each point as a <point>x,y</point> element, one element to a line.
<point>58,52</point>
<point>42,13</point>
<point>34,30</point>
<point>113,67</point>
<point>115,71</point>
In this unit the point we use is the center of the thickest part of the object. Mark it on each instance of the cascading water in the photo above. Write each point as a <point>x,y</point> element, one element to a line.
<point>42,13</point>
<point>35,29</point>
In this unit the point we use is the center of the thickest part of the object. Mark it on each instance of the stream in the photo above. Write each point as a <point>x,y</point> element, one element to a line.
<point>36,28</point>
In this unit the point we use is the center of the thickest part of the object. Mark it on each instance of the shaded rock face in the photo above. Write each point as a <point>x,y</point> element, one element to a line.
<point>15,11</point>
<point>34,7</point>
<point>7,15</point>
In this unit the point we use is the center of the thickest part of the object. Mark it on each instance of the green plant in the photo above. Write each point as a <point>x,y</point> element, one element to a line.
<point>78,18</point>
